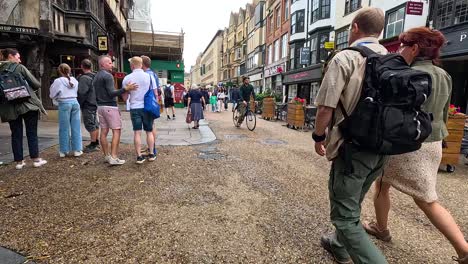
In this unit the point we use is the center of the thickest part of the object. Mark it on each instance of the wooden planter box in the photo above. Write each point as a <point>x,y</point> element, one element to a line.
<point>296,116</point>
<point>269,106</point>
<point>455,126</point>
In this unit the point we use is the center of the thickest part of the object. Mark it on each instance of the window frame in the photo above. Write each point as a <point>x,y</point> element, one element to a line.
<point>451,15</point>
<point>387,16</point>
<point>286,10</point>
<point>284,46</point>
<point>278,17</point>
<point>323,10</point>
<point>345,37</point>
<point>349,6</point>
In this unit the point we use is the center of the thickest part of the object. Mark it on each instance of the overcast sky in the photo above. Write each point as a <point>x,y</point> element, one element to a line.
<point>200,19</point>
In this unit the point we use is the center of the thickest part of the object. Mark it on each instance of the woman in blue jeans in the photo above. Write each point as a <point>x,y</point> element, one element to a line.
<point>64,91</point>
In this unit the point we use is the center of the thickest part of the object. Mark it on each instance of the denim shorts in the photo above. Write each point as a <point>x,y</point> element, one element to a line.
<point>140,119</point>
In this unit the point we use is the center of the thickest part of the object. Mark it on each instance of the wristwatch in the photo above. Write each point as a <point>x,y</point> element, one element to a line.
<point>317,138</point>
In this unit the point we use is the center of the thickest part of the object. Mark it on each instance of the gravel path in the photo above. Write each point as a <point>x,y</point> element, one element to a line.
<point>249,197</point>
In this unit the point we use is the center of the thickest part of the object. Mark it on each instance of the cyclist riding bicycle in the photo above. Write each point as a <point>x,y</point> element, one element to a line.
<point>246,90</point>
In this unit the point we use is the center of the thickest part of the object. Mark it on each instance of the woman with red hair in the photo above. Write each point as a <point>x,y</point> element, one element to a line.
<point>415,173</point>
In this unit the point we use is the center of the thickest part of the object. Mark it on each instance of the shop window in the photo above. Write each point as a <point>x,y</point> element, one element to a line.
<point>351,6</point>
<point>320,9</point>
<point>395,22</point>
<point>292,92</point>
<point>313,50</point>
<point>342,38</point>
<point>323,53</point>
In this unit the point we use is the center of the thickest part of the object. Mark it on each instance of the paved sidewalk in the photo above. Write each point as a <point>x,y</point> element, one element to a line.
<point>170,133</point>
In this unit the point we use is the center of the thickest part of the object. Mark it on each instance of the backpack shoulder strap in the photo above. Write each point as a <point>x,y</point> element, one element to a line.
<point>365,51</point>
<point>12,67</point>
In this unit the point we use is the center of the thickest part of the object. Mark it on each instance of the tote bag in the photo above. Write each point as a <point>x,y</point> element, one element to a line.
<point>151,102</point>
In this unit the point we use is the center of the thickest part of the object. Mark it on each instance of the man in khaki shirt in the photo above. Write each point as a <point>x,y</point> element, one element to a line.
<point>343,82</point>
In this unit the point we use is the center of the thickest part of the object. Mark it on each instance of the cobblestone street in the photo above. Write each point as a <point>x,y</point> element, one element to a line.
<point>251,197</point>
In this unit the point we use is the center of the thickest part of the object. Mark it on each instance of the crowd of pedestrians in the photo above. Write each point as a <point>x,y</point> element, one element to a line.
<point>354,169</point>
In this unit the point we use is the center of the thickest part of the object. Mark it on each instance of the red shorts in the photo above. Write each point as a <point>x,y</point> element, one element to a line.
<point>109,117</point>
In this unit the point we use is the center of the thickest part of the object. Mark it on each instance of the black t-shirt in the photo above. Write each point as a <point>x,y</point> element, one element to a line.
<point>195,96</point>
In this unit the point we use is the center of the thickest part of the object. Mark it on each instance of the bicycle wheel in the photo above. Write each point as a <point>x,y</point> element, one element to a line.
<point>251,120</point>
<point>235,117</point>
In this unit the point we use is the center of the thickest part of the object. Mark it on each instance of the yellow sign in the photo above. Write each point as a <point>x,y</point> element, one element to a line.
<point>329,45</point>
<point>102,43</point>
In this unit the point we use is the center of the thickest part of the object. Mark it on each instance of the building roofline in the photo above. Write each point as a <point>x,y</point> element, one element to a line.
<point>218,33</point>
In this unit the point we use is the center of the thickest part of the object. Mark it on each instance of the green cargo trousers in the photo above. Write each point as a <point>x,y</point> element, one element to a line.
<point>346,195</point>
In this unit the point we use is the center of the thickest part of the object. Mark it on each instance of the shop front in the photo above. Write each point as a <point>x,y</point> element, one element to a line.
<point>303,83</point>
<point>256,80</point>
<point>454,58</point>
<point>273,78</point>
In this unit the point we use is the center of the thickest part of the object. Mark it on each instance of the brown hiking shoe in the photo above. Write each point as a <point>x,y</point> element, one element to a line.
<point>372,229</point>
<point>325,242</point>
<point>461,260</point>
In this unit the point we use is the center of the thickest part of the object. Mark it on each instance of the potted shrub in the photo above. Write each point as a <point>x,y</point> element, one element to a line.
<point>295,116</point>
<point>268,105</point>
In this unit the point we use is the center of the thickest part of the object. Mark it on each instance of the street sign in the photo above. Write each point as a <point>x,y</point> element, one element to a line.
<point>102,43</point>
<point>329,45</point>
<point>414,8</point>
<point>20,30</point>
<point>304,56</point>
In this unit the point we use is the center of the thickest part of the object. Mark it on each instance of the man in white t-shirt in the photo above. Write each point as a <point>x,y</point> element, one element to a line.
<point>136,99</point>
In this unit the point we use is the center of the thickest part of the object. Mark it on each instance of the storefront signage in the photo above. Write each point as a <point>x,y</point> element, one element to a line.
<point>414,8</point>
<point>304,56</point>
<point>274,70</point>
<point>329,45</point>
<point>103,43</point>
<point>305,76</point>
<point>19,30</point>
<point>256,77</point>
<point>457,42</point>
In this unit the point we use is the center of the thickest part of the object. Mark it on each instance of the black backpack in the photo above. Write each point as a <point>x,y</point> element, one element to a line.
<point>388,118</point>
<point>167,92</point>
<point>13,87</point>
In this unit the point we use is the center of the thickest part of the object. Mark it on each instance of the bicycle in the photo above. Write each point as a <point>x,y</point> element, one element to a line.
<point>249,117</point>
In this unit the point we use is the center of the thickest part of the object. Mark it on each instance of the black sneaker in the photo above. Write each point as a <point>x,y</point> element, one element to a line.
<point>151,157</point>
<point>90,148</point>
<point>140,160</point>
<point>168,117</point>
<point>173,116</point>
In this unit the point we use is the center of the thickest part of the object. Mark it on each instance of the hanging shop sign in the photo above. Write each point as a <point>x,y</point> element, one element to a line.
<point>414,8</point>
<point>330,45</point>
<point>103,43</point>
<point>304,56</point>
<point>457,41</point>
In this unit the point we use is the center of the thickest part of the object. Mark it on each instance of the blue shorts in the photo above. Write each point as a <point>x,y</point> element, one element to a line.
<point>140,119</point>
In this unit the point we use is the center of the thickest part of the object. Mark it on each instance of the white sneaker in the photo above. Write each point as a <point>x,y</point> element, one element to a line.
<point>39,163</point>
<point>116,161</point>
<point>78,153</point>
<point>107,158</point>
<point>62,155</point>
<point>20,166</point>
<point>1,163</point>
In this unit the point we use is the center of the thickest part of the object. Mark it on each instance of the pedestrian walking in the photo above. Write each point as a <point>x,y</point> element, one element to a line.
<point>214,103</point>
<point>415,173</point>
<point>64,90</point>
<point>169,96</point>
<point>17,112</point>
<point>195,100</point>
<point>88,104</point>
<point>221,97</point>
<point>185,98</point>
<point>140,118</point>
<point>226,98</point>
<point>206,96</point>
<point>235,97</point>
<point>155,82</point>
<point>108,112</point>
<point>343,82</point>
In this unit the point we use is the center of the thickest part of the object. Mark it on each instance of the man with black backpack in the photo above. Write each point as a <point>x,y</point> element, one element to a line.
<point>169,96</point>
<point>342,85</point>
<point>88,104</point>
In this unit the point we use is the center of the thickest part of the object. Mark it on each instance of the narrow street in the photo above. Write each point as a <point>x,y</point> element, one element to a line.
<point>247,197</point>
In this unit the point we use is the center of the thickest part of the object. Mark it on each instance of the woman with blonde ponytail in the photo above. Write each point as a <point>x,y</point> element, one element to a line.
<point>64,91</point>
